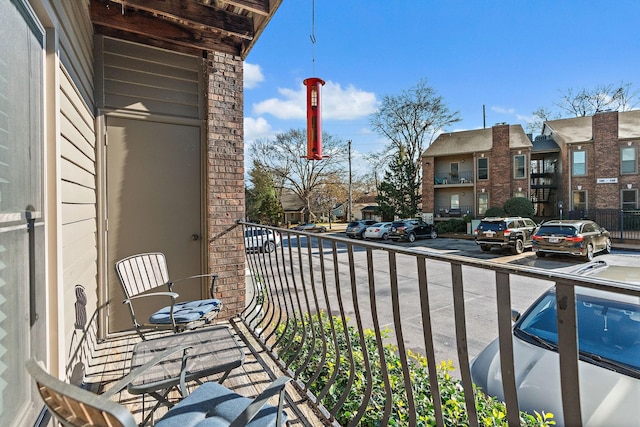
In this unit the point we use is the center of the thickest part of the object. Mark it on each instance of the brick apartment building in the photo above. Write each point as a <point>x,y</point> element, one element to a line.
<point>579,163</point>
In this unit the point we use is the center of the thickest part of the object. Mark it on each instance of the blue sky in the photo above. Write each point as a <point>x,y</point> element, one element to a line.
<point>510,56</point>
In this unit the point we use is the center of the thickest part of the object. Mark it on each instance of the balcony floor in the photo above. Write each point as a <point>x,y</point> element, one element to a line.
<point>112,358</point>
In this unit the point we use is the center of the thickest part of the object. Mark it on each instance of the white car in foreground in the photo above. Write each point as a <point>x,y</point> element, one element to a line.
<point>261,239</point>
<point>609,347</point>
<point>379,230</point>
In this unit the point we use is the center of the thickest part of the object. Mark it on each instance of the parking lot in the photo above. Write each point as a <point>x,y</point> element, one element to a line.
<point>480,293</point>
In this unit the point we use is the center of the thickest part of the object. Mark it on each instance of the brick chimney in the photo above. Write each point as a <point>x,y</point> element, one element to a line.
<point>500,166</point>
<point>605,148</point>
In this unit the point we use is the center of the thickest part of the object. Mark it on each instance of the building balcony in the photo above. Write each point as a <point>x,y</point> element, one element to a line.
<point>460,179</point>
<point>385,307</point>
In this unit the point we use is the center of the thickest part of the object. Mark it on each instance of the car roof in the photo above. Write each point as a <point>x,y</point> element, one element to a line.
<point>501,218</point>
<point>626,274</point>
<point>567,222</point>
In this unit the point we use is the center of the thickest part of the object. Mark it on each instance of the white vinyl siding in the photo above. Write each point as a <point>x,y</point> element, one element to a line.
<point>22,296</point>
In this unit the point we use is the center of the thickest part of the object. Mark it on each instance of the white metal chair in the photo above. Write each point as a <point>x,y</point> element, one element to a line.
<point>144,272</point>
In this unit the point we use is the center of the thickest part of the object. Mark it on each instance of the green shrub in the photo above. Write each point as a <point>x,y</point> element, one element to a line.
<point>494,211</point>
<point>303,355</point>
<point>453,225</point>
<point>519,206</point>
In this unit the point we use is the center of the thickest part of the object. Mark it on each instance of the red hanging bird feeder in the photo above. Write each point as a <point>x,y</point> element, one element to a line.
<point>314,123</point>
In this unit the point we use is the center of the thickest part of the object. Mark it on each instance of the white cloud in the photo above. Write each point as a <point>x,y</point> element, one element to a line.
<point>503,110</point>
<point>337,103</point>
<point>252,75</point>
<point>255,129</point>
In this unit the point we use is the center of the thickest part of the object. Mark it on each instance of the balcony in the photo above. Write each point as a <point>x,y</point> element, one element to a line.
<point>464,179</point>
<point>317,294</point>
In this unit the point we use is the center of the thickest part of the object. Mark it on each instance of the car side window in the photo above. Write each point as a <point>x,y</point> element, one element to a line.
<point>587,228</point>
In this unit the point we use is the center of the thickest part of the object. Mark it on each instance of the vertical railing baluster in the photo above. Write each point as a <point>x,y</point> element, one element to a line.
<point>568,349</point>
<point>365,353</point>
<point>349,384</point>
<point>503,297</point>
<point>397,323</point>
<point>379,342</point>
<point>428,340</point>
<point>461,339</point>
<point>323,357</point>
<point>336,370</point>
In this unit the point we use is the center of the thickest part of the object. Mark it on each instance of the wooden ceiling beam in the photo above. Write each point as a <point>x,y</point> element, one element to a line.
<point>167,32</point>
<point>259,7</point>
<point>195,14</point>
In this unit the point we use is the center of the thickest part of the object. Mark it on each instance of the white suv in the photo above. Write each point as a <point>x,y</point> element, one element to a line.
<point>261,239</point>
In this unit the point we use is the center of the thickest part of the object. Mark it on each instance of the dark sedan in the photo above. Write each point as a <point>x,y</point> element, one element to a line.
<point>582,238</point>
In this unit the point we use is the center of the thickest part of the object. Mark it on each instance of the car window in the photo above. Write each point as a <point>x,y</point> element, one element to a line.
<point>353,224</point>
<point>588,228</point>
<point>491,226</point>
<point>606,328</point>
<point>557,230</point>
<point>529,223</point>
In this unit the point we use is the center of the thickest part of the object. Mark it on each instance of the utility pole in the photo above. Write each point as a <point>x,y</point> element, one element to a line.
<point>350,214</point>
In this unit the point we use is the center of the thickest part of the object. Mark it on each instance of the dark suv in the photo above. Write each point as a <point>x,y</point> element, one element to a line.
<point>515,232</point>
<point>356,228</point>
<point>411,229</point>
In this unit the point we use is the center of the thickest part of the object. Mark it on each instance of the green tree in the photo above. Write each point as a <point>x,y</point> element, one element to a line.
<point>399,193</point>
<point>261,199</point>
<point>519,206</point>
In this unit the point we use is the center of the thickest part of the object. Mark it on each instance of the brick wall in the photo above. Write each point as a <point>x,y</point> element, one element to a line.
<point>225,178</point>
<point>605,161</point>
<point>428,192</point>
<point>500,171</point>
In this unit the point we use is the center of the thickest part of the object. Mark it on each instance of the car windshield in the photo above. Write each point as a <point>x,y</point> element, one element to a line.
<point>491,226</point>
<point>557,230</point>
<point>608,331</point>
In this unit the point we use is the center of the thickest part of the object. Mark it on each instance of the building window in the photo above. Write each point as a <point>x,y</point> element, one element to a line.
<point>628,160</point>
<point>579,200</point>
<point>455,201</point>
<point>454,169</point>
<point>629,199</point>
<point>579,163</point>
<point>483,203</point>
<point>519,170</point>
<point>483,168</point>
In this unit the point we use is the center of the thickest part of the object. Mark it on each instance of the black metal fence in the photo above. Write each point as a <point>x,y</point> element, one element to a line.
<point>327,307</point>
<point>622,224</point>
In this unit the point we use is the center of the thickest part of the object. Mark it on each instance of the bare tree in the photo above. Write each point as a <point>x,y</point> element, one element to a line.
<point>282,159</point>
<point>587,102</point>
<point>411,121</point>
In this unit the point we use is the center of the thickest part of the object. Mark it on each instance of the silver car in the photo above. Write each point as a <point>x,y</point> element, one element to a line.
<point>379,230</point>
<point>609,346</point>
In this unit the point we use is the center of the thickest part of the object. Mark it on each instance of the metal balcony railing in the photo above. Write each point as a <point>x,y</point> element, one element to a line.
<point>454,179</point>
<point>328,309</point>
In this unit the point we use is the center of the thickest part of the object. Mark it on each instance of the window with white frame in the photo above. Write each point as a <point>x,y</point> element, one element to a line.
<point>455,201</point>
<point>483,203</point>
<point>630,199</point>
<point>519,168</point>
<point>578,163</point>
<point>483,168</point>
<point>580,200</point>
<point>628,160</point>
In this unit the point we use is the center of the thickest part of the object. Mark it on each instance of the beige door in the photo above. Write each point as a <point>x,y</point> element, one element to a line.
<point>153,203</point>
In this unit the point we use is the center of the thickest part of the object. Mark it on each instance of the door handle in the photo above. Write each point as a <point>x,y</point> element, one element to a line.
<point>195,237</point>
